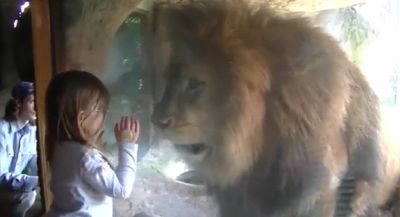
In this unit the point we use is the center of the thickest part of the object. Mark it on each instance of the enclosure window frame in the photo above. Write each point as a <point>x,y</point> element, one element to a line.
<point>43,65</point>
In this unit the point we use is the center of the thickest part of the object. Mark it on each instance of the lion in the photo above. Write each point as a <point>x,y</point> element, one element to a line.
<point>270,112</point>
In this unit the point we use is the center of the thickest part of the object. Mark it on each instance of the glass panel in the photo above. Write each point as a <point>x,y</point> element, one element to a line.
<point>365,32</point>
<point>240,111</point>
<point>19,187</point>
<point>126,78</point>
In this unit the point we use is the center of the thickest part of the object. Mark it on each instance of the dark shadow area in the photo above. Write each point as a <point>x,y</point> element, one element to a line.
<point>16,59</point>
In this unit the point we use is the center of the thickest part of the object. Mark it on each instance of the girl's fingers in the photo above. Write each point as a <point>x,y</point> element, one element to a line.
<point>116,128</point>
<point>137,126</point>
<point>132,123</point>
<point>120,123</point>
<point>126,123</point>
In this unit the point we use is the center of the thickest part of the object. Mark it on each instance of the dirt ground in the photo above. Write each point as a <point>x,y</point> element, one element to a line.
<point>160,196</point>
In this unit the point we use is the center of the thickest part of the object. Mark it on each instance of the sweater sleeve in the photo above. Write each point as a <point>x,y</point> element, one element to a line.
<point>114,183</point>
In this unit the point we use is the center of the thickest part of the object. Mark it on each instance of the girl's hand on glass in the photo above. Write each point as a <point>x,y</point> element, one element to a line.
<point>127,130</point>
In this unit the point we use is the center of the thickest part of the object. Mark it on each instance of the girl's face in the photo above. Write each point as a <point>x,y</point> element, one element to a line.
<point>92,124</point>
<point>27,110</point>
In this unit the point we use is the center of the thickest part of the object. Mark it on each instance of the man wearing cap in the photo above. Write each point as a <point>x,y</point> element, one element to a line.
<point>18,152</point>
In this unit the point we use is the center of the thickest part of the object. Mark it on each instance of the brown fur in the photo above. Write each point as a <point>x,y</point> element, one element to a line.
<point>284,115</point>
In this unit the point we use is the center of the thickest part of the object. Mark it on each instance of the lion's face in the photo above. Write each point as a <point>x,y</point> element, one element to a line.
<point>188,111</point>
<point>211,116</point>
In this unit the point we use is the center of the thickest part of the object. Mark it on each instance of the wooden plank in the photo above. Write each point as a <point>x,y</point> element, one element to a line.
<point>43,73</point>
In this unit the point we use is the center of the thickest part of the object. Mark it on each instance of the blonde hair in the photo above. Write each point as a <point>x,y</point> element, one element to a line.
<point>67,95</point>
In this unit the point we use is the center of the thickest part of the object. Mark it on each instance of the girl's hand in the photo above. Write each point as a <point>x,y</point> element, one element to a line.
<point>127,130</point>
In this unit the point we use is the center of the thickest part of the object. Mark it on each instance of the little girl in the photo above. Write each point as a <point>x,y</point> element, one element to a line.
<point>82,181</point>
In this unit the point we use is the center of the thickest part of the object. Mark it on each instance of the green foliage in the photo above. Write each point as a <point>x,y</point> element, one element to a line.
<point>130,45</point>
<point>132,21</point>
<point>127,90</point>
<point>357,31</point>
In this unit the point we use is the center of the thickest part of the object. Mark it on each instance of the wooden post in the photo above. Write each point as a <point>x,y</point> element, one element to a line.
<point>43,72</point>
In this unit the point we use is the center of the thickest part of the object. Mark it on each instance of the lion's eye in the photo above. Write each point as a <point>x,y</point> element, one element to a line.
<point>195,86</point>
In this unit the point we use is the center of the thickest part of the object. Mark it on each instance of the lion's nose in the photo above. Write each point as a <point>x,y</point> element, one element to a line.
<point>162,121</point>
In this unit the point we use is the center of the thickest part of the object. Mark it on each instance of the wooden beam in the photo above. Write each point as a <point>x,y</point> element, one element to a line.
<point>43,73</point>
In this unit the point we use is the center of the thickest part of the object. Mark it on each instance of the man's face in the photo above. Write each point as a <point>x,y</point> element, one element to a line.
<point>27,108</point>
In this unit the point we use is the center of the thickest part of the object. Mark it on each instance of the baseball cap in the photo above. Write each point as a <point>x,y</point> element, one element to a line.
<point>22,90</point>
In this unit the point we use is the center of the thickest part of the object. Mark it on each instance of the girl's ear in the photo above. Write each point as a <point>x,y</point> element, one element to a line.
<point>81,118</point>
<point>81,124</point>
